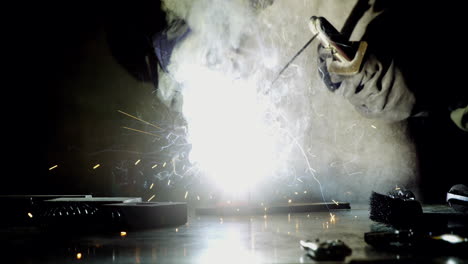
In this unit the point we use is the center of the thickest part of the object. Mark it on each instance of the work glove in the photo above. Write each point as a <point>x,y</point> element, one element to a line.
<point>378,90</point>
<point>325,57</point>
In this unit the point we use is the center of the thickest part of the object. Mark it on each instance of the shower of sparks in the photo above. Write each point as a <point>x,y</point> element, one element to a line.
<point>154,166</point>
<point>141,120</point>
<point>151,198</point>
<point>96,166</point>
<point>151,187</point>
<point>30,215</point>
<point>186,194</point>
<point>144,132</point>
<point>138,161</point>
<point>335,202</point>
<point>79,255</point>
<point>53,167</point>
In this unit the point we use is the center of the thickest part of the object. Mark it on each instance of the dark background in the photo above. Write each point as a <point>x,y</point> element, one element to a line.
<point>67,79</point>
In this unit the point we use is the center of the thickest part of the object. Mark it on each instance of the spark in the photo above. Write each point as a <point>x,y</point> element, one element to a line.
<point>299,180</point>
<point>151,187</point>
<point>174,166</point>
<point>374,127</point>
<point>164,164</point>
<point>265,209</point>
<point>96,166</point>
<point>332,218</point>
<point>198,198</point>
<point>289,201</point>
<point>79,255</point>
<point>296,193</point>
<point>397,188</point>
<point>186,193</point>
<point>177,230</point>
<point>30,215</point>
<point>154,166</point>
<point>305,191</point>
<point>123,233</point>
<point>53,167</point>
<point>134,117</point>
<point>144,132</point>
<point>168,182</point>
<point>151,198</point>
<point>138,161</point>
<point>335,202</point>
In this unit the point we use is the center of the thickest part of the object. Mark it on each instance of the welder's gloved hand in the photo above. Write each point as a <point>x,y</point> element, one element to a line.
<point>325,57</point>
<point>378,90</point>
<point>165,41</point>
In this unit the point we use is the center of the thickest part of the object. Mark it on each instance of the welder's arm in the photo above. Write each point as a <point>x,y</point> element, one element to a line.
<point>378,90</point>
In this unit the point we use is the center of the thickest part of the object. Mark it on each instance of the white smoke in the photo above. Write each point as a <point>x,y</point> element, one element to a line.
<point>221,78</point>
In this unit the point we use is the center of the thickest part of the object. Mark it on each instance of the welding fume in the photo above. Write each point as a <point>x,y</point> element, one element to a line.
<point>373,103</point>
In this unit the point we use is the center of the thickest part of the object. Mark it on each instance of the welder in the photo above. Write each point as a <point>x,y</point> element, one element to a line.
<point>409,75</point>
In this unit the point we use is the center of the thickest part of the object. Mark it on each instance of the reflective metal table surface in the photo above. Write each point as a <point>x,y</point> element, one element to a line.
<point>206,239</point>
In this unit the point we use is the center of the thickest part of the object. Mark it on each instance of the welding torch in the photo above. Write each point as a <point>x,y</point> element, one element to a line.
<point>347,55</point>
